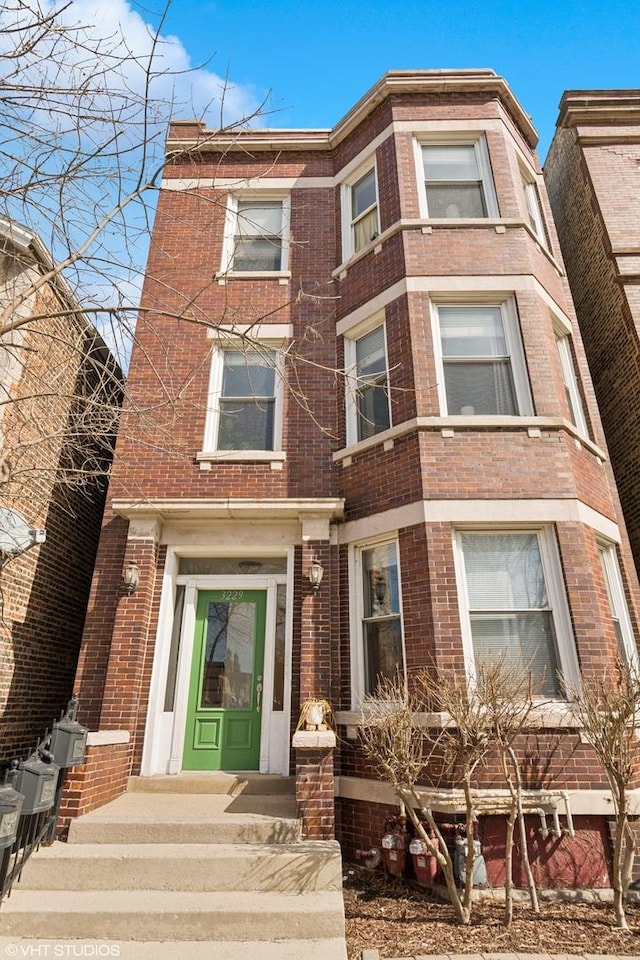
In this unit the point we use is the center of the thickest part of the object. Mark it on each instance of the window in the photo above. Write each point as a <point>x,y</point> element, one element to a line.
<point>257,235</point>
<point>572,392</point>
<point>244,400</point>
<point>618,604</point>
<point>367,385</point>
<point>513,604</point>
<point>381,620</point>
<point>359,212</point>
<point>482,361</point>
<point>457,180</point>
<point>533,209</point>
<point>364,211</point>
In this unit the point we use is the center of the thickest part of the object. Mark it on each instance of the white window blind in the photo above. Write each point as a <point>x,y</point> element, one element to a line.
<point>509,610</point>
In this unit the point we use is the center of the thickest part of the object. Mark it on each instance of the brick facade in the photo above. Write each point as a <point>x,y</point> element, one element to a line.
<point>54,370</point>
<point>198,518</point>
<point>593,178</point>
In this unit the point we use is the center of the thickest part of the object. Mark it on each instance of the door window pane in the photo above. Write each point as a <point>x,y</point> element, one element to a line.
<point>229,651</point>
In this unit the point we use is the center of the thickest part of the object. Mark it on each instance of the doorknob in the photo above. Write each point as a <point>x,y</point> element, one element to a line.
<point>259,694</point>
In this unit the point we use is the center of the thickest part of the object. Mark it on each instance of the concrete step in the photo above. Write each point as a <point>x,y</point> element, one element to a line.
<point>255,784</point>
<point>287,868</point>
<point>189,818</point>
<point>145,915</point>
<point>328,949</point>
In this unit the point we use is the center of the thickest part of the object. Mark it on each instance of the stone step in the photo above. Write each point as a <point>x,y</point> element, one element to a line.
<point>189,818</point>
<point>328,949</point>
<point>144,915</point>
<point>256,784</point>
<point>287,868</point>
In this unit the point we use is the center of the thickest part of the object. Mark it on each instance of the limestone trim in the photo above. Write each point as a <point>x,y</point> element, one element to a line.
<point>583,802</point>
<point>468,424</point>
<point>498,284</point>
<point>247,183</point>
<point>106,738</point>
<point>492,512</point>
<point>223,508</point>
<point>429,225</point>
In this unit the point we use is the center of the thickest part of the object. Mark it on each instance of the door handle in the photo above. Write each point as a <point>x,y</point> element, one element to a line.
<point>259,694</point>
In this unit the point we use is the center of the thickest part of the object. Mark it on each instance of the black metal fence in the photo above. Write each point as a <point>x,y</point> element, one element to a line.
<point>31,795</point>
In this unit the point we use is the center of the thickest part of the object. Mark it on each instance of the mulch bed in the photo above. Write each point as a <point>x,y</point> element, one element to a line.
<point>403,921</point>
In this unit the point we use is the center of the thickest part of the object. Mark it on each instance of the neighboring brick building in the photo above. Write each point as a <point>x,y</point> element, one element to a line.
<point>593,179</point>
<point>360,349</point>
<point>59,396</point>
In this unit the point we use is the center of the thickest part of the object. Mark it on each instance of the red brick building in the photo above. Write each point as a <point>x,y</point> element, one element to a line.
<point>60,393</point>
<point>593,179</point>
<point>357,347</point>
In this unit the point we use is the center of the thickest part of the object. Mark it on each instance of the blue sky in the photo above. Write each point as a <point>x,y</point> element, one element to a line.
<point>318,58</point>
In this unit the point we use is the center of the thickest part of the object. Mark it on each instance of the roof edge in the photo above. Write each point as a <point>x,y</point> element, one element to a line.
<point>602,107</point>
<point>186,135</point>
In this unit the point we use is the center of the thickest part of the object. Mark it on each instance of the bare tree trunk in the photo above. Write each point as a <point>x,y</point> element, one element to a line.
<point>508,846</point>
<point>619,890</point>
<point>469,861</point>
<point>533,893</point>
<point>438,848</point>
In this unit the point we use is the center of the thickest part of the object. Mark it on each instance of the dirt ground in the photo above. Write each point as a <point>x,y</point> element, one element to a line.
<point>402,921</point>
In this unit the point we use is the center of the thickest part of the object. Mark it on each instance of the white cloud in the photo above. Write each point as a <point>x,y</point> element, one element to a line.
<point>117,39</point>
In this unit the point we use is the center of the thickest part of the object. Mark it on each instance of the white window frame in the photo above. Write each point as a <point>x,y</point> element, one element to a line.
<point>570,380</point>
<point>351,376</point>
<point>346,207</point>
<point>356,593</point>
<point>534,207</point>
<point>479,143</point>
<point>617,601</point>
<point>214,396</point>
<point>230,230</point>
<point>511,326</point>
<point>556,594</point>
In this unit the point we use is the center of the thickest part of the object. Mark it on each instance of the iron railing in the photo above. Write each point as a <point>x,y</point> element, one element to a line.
<point>60,748</point>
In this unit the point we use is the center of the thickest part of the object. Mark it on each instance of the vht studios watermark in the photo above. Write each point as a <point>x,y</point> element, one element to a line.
<point>68,949</point>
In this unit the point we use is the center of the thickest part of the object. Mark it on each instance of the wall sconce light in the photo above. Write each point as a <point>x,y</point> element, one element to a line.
<point>316,573</point>
<point>131,577</point>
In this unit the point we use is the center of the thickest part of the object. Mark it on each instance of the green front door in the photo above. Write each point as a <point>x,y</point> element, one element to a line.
<point>225,690</point>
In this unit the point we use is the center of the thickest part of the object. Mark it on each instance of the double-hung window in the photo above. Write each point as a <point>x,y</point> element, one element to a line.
<point>359,199</point>
<point>457,180</point>
<point>534,212</point>
<point>367,385</point>
<point>514,604</point>
<point>364,211</point>
<point>381,620</point>
<point>257,235</point>
<point>572,391</point>
<point>483,370</point>
<point>627,649</point>
<point>244,409</point>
